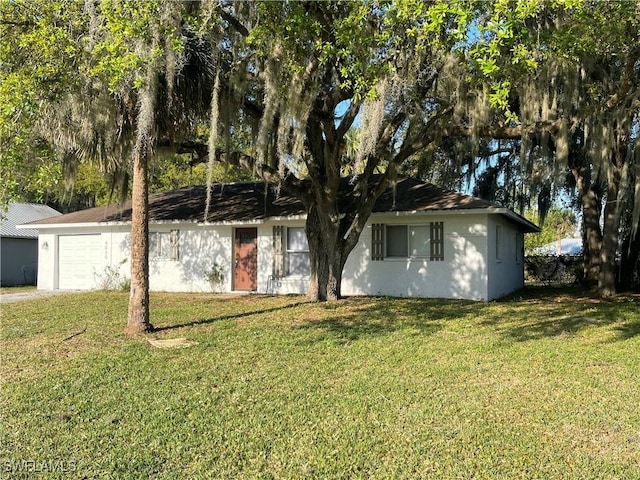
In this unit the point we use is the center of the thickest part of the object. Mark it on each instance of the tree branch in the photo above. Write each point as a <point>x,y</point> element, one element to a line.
<point>347,120</point>
<point>626,81</point>
<point>502,132</point>
<point>233,21</point>
<point>289,181</point>
<point>9,23</point>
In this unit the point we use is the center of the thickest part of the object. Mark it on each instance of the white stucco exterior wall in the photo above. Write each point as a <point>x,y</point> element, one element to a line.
<point>199,248</point>
<point>47,268</point>
<point>462,273</point>
<point>469,269</point>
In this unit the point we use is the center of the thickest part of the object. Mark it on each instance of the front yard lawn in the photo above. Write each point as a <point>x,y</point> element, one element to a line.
<point>543,385</point>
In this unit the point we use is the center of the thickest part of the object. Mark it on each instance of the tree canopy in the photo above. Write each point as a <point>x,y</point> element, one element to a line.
<point>322,90</point>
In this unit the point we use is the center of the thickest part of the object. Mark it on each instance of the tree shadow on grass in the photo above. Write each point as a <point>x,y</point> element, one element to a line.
<point>553,327</point>
<point>571,326</point>
<point>233,316</point>
<point>366,317</point>
<point>628,330</point>
<point>542,312</point>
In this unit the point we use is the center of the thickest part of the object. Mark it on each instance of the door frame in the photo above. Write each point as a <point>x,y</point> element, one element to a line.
<point>254,274</point>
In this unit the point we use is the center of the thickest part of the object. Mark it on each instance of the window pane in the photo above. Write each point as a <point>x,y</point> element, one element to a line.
<point>159,244</point>
<point>298,263</point>
<point>297,240</point>
<point>419,241</point>
<point>165,244</point>
<point>397,241</point>
<point>246,238</point>
<point>154,245</point>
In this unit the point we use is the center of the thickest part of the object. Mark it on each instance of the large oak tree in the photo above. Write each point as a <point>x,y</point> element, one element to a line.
<point>139,77</point>
<point>566,75</point>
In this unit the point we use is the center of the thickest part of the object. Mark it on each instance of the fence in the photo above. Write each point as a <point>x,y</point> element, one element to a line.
<point>565,269</point>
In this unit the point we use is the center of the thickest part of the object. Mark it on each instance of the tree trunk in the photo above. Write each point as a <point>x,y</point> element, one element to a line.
<point>629,262</point>
<point>334,280</point>
<point>617,189</point>
<point>325,252</point>
<point>138,319</point>
<point>591,237</point>
<point>591,233</point>
<point>607,277</point>
<point>319,267</point>
<point>328,252</point>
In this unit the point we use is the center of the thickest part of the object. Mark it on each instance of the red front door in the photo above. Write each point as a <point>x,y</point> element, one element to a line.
<point>246,259</point>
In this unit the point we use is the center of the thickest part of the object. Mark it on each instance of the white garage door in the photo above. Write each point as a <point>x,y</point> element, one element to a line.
<point>79,259</point>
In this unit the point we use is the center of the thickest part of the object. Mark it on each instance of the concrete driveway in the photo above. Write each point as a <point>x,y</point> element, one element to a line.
<point>30,295</point>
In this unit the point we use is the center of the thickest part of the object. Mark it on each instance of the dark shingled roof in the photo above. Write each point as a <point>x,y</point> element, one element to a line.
<point>250,201</point>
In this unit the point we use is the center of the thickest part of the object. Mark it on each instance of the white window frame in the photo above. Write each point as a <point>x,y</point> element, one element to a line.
<point>408,228</point>
<point>164,245</point>
<point>519,247</point>
<point>499,243</point>
<point>295,251</point>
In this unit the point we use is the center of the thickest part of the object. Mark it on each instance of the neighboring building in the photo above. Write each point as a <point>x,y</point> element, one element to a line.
<point>564,246</point>
<point>19,247</point>
<point>422,241</point>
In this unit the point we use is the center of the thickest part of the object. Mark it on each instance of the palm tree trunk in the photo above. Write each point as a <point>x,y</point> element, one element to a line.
<point>138,319</point>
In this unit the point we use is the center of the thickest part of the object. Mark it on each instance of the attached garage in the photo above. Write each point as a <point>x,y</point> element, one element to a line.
<point>79,260</point>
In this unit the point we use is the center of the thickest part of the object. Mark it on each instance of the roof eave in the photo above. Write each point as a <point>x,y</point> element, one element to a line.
<point>528,227</point>
<point>49,226</point>
<point>21,237</point>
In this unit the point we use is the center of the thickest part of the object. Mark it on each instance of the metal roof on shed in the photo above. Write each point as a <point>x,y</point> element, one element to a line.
<point>21,213</point>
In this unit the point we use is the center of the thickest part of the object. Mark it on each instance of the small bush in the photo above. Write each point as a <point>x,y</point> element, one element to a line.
<point>112,279</point>
<point>215,276</point>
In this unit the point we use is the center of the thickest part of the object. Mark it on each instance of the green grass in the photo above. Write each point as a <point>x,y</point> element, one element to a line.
<point>543,385</point>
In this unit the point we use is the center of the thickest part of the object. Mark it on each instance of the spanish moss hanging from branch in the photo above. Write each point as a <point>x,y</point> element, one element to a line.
<point>213,140</point>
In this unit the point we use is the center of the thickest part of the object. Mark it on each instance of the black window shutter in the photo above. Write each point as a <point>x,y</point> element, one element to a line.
<point>174,244</point>
<point>437,241</point>
<point>377,241</point>
<point>278,251</point>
